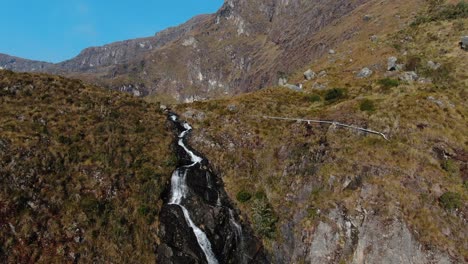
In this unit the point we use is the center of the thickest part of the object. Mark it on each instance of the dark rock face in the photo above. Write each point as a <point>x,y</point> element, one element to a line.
<point>209,208</point>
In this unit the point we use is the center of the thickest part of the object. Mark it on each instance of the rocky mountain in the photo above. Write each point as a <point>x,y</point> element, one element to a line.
<point>358,155</point>
<point>95,59</point>
<point>22,65</point>
<point>245,46</point>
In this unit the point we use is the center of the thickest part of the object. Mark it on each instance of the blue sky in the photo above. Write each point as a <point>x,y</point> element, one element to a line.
<point>56,30</point>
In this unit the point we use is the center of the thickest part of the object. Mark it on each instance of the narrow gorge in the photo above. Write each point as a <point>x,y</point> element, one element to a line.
<point>199,223</point>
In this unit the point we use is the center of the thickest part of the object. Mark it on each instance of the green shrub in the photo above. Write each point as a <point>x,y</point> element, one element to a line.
<point>444,12</point>
<point>260,195</point>
<point>90,205</point>
<point>450,200</point>
<point>367,105</point>
<point>335,94</point>
<point>243,196</point>
<point>144,210</point>
<point>389,83</point>
<point>442,76</point>
<point>413,63</point>
<point>264,218</point>
<point>451,167</point>
<point>315,98</point>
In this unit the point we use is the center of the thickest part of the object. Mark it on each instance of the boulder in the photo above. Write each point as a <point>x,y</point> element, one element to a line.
<point>433,65</point>
<point>232,108</point>
<point>332,51</point>
<point>322,74</point>
<point>409,76</point>
<point>392,64</point>
<point>464,43</point>
<point>436,101</point>
<point>294,87</point>
<point>282,81</point>
<point>309,75</point>
<point>374,38</point>
<point>367,18</point>
<point>365,73</point>
<point>320,86</point>
<point>194,114</point>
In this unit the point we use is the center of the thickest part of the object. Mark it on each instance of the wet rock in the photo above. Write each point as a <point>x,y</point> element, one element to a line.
<point>365,73</point>
<point>309,75</point>
<point>179,242</point>
<point>409,76</point>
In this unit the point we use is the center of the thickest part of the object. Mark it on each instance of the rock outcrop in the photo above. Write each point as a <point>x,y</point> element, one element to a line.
<point>365,73</point>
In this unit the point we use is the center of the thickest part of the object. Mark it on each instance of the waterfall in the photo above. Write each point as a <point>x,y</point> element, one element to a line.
<point>238,229</point>
<point>179,190</point>
<point>197,195</point>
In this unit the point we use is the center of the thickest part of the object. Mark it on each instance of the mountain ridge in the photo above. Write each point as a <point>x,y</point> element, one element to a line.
<point>232,51</point>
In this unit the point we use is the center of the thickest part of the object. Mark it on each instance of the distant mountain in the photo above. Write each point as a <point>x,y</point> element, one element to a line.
<point>245,46</point>
<point>22,65</point>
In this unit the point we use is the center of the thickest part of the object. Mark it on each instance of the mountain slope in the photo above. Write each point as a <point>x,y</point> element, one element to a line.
<point>82,170</point>
<point>340,195</point>
<point>22,65</point>
<point>245,46</point>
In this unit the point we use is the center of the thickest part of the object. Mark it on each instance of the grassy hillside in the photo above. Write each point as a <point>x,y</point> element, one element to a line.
<point>278,170</point>
<point>81,172</point>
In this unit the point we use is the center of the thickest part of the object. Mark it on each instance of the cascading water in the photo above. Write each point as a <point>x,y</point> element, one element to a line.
<point>179,191</point>
<point>198,223</point>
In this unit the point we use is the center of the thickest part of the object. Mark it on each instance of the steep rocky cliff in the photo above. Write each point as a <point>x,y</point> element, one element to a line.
<point>245,46</point>
<point>95,59</point>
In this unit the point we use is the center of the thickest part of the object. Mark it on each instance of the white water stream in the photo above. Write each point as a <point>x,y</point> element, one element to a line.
<point>179,190</point>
